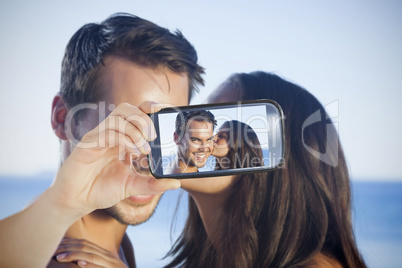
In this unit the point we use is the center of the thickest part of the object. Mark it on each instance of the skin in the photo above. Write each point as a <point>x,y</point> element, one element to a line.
<point>195,147</point>
<point>221,146</point>
<point>126,84</point>
<point>224,93</point>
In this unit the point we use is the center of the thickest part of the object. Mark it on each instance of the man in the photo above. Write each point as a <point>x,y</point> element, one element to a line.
<point>124,62</point>
<point>194,136</point>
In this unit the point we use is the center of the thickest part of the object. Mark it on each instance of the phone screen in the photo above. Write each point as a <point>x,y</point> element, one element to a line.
<point>217,139</point>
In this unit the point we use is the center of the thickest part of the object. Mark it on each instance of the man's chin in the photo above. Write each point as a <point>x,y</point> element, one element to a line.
<point>200,164</point>
<point>134,210</point>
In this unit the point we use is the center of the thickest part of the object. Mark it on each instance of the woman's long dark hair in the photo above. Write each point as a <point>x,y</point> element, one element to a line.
<point>244,147</point>
<point>285,217</point>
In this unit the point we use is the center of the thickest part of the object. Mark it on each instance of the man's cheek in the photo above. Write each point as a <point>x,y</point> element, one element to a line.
<point>193,147</point>
<point>184,147</point>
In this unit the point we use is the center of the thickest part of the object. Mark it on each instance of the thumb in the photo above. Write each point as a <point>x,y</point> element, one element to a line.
<point>153,106</point>
<point>142,185</point>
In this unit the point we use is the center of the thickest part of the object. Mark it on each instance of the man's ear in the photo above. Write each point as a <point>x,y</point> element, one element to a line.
<point>176,138</point>
<point>58,118</point>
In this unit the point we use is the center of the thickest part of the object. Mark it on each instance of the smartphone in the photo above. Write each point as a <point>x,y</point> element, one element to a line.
<point>217,139</point>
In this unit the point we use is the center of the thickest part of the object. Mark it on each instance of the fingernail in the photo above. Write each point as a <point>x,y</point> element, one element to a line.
<point>61,256</point>
<point>81,263</point>
<point>153,135</point>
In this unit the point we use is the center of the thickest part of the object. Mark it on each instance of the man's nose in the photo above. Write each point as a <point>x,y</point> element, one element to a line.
<point>205,147</point>
<point>202,148</point>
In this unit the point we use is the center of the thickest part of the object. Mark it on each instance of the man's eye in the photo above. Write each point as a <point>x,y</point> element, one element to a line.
<point>195,141</point>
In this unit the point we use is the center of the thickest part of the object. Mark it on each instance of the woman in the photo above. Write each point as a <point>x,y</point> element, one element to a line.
<point>237,146</point>
<point>297,216</point>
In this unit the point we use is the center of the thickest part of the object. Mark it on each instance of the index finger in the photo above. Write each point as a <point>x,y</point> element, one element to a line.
<point>71,244</point>
<point>135,116</point>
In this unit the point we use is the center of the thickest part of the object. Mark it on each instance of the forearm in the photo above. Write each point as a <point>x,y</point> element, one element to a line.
<point>30,237</point>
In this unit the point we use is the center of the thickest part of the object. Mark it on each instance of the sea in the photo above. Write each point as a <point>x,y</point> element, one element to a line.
<point>377,219</point>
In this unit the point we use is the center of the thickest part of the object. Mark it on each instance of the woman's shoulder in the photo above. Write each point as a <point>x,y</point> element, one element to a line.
<point>323,261</point>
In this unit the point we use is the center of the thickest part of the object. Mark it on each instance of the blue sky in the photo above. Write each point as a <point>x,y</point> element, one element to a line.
<point>347,53</point>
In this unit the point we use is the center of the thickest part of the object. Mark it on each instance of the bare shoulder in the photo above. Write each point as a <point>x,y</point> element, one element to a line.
<point>324,261</point>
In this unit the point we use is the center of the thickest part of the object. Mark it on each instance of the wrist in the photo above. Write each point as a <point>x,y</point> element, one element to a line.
<point>54,206</point>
